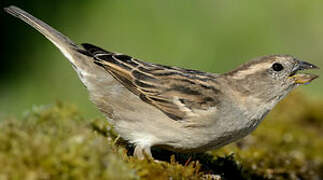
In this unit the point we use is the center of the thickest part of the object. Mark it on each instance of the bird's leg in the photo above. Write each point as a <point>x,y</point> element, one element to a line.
<point>142,152</point>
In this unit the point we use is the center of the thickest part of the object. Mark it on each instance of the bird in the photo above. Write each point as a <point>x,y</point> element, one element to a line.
<point>179,109</point>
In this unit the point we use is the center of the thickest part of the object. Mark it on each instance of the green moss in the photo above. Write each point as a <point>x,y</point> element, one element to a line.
<point>55,142</point>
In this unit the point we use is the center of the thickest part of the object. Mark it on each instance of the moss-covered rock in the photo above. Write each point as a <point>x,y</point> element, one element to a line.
<point>55,142</point>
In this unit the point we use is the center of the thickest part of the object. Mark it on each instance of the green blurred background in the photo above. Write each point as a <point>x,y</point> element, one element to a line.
<point>208,35</point>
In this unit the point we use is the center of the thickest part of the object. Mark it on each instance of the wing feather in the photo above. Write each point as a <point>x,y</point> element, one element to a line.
<point>175,91</point>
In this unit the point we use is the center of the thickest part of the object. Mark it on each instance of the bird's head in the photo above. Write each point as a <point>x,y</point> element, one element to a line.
<point>271,76</point>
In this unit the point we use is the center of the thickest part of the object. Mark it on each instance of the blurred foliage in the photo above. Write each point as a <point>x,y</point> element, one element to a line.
<point>208,35</point>
<point>56,142</point>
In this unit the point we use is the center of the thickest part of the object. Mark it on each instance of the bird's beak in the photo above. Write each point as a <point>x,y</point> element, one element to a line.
<point>303,78</point>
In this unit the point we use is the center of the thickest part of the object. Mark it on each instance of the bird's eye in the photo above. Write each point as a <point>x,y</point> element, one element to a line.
<point>278,67</point>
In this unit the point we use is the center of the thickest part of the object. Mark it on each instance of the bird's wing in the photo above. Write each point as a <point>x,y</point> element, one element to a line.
<point>175,91</point>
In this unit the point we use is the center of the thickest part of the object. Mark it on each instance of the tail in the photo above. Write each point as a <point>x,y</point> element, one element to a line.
<point>95,78</point>
<point>63,43</point>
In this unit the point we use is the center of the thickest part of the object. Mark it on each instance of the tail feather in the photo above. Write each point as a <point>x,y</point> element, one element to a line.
<point>63,43</point>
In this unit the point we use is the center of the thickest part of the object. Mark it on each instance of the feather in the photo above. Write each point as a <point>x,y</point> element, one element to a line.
<point>175,91</point>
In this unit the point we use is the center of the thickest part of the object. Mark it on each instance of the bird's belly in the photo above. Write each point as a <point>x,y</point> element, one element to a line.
<point>224,136</point>
<point>222,132</point>
<point>231,128</point>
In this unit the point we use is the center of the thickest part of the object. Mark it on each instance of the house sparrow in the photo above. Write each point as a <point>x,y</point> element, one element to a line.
<point>176,108</point>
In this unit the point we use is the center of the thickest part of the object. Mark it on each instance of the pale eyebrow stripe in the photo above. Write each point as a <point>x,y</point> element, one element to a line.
<point>241,74</point>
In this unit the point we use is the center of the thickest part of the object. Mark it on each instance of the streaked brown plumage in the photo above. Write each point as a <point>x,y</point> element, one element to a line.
<point>177,108</point>
<point>194,89</point>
